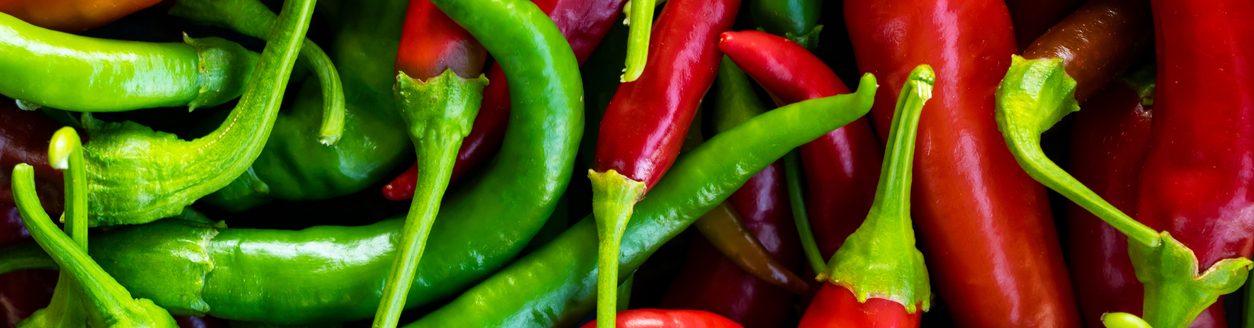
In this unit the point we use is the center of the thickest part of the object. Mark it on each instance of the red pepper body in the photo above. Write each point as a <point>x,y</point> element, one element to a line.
<point>1108,142</point>
<point>984,224</point>
<point>72,15</point>
<point>711,282</point>
<point>842,167</point>
<point>645,123</point>
<point>652,318</point>
<point>1198,175</point>
<point>24,139</point>
<point>836,306</point>
<point>583,22</point>
<point>431,43</point>
<point>1033,17</point>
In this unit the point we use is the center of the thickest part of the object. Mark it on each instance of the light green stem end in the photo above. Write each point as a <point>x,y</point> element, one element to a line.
<point>1175,292</point>
<point>614,197</point>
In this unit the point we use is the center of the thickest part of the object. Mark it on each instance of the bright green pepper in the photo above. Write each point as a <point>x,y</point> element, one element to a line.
<point>48,68</point>
<point>556,284</point>
<point>797,20</point>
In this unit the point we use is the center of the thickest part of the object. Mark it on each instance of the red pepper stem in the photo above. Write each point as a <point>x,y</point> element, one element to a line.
<point>796,198</point>
<point>439,113</point>
<point>1035,95</point>
<point>614,198</point>
<point>880,259</point>
<point>640,22</point>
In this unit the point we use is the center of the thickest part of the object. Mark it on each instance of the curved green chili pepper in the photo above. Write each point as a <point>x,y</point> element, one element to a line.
<point>107,302</point>
<point>295,167</point>
<point>252,18</point>
<point>640,21</point>
<point>1035,95</point>
<point>439,113</point>
<point>65,71</point>
<point>556,284</point>
<point>797,20</point>
<point>138,175</point>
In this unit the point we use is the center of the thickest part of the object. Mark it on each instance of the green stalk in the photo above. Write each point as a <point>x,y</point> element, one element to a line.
<point>640,21</point>
<point>439,113</point>
<point>614,198</point>
<point>796,198</point>
<point>65,153</point>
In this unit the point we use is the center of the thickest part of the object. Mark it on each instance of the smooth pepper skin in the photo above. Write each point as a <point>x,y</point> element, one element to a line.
<point>844,310</point>
<point>841,166</point>
<point>1097,42</point>
<point>65,71</point>
<point>583,22</point>
<point>1197,176</point>
<point>556,284</point>
<point>709,280</point>
<point>796,20</point>
<point>1033,17</point>
<point>654,318</point>
<point>974,208</point>
<point>72,15</point>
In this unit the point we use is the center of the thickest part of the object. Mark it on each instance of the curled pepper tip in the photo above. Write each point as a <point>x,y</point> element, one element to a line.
<point>1123,320</point>
<point>64,142</point>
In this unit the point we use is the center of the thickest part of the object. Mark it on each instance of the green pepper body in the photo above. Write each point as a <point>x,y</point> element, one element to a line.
<point>48,68</point>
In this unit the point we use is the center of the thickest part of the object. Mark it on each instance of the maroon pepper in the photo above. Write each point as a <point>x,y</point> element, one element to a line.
<point>24,139</point>
<point>583,22</point>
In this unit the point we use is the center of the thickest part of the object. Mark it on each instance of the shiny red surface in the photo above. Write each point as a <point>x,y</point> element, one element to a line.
<point>645,123</point>
<point>653,318</point>
<point>583,22</point>
<point>1108,144</point>
<point>1198,174</point>
<point>984,225</point>
<point>431,43</point>
<point>711,282</point>
<point>835,306</point>
<point>842,167</point>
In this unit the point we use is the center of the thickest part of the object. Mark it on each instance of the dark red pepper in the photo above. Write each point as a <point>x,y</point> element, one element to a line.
<point>652,318</point>
<point>1097,42</point>
<point>984,221</point>
<point>842,165</point>
<point>583,22</point>
<point>1033,17</point>
<point>24,139</point>
<point>1198,173</point>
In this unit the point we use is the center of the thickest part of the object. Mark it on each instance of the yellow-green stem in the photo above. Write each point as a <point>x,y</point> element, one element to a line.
<point>614,197</point>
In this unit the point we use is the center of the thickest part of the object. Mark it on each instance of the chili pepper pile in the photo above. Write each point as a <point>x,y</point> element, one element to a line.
<point>422,163</point>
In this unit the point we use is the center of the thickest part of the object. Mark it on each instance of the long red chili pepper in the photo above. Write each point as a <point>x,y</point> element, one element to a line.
<point>644,126</point>
<point>1096,42</point>
<point>583,22</point>
<point>842,165</point>
<point>1198,172</point>
<point>652,318</point>
<point>989,222</point>
<point>1033,17</point>
<point>72,15</point>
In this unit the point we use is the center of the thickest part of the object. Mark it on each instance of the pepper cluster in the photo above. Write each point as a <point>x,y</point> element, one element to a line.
<point>920,197</point>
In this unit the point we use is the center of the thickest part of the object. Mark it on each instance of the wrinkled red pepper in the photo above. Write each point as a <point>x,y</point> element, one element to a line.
<point>987,224</point>
<point>1198,173</point>
<point>583,22</point>
<point>842,165</point>
<point>652,318</point>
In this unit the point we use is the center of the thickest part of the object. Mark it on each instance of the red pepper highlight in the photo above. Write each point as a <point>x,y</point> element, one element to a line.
<point>431,43</point>
<point>842,166</point>
<point>1198,173</point>
<point>583,22</point>
<point>844,310</point>
<point>983,221</point>
<point>653,318</point>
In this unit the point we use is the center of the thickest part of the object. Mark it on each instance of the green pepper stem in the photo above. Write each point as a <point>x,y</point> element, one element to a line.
<point>640,22</point>
<point>1123,320</point>
<point>1034,96</point>
<point>796,198</point>
<point>439,113</point>
<point>65,153</point>
<point>24,257</point>
<point>880,259</point>
<point>253,18</point>
<point>614,198</point>
<point>725,231</point>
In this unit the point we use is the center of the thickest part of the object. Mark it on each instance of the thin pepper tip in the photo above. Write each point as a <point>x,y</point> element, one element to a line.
<point>64,142</point>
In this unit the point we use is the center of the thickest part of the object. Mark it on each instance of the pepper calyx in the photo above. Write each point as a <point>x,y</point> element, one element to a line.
<point>442,105</point>
<point>1175,292</point>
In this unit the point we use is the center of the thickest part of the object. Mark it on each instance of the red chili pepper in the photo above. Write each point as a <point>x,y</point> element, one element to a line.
<point>24,139</point>
<point>987,224</point>
<point>583,22</point>
<point>1198,172</point>
<point>653,318</point>
<point>431,43</point>
<point>644,126</point>
<point>844,310</point>
<point>842,165</point>
<point>1033,17</point>
<point>1096,42</point>
<point>72,15</point>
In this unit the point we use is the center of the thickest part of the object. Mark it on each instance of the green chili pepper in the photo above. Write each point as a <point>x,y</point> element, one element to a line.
<point>138,175</point>
<point>797,20</point>
<point>1035,95</point>
<point>295,167</point>
<point>556,284</point>
<point>252,18</point>
<point>107,302</point>
<point>640,20</point>
<point>65,71</point>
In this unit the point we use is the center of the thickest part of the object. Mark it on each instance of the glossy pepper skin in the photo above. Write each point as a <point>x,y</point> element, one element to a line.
<point>554,285</point>
<point>65,71</point>
<point>654,318</point>
<point>583,22</point>
<point>844,310</point>
<point>842,165</point>
<point>708,280</point>
<point>1033,17</point>
<point>72,15</point>
<point>796,20</point>
<point>989,221</point>
<point>1197,175</point>
<point>1097,42</point>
